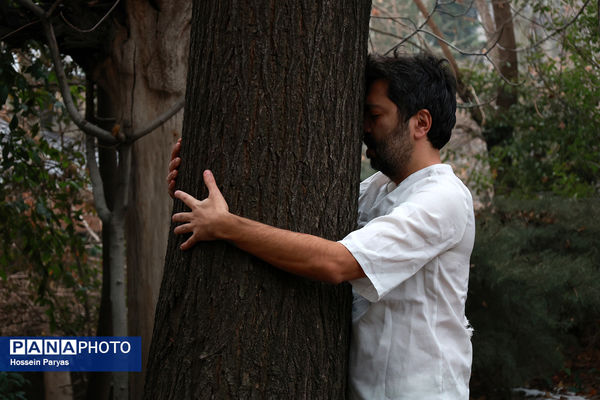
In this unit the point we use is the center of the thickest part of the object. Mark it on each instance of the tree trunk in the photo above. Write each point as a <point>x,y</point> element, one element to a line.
<point>145,75</point>
<point>507,56</point>
<point>274,108</point>
<point>501,35</point>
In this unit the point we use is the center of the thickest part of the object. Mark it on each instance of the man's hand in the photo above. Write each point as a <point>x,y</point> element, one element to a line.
<point>173,165</point>
<point>205,217</point>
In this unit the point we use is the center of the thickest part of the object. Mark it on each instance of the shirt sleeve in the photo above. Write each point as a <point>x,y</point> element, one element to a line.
<point>392,248</point>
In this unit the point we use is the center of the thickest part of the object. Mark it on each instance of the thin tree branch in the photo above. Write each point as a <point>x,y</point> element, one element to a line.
<point>384,33</point>
<point>50,11</point>
<point>161,119</point>
<point>462,14</point>
<point>403,40</point>
<point>93,28</point>
<point>97,184</point>
<point>463,90</point>
<point>553,33</point>
<point>38,11</point>
<point>437,31</point>
<point>84,125</point>
<point>18,29</point>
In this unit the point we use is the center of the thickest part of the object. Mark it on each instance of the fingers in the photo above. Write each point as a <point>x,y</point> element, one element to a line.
<point>176,149</point>
<point>188,244</point>
<point>186,198</point>
<point>174,164</point>
<point>211,184</point>
<point>182,217</point>
<point>181,229</point>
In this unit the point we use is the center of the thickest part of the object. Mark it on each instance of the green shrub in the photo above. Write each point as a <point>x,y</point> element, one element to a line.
<point>535,283</point>
<point>12,385</point>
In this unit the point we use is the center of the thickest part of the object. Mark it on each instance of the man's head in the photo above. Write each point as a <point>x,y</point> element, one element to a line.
<point>418,82</point>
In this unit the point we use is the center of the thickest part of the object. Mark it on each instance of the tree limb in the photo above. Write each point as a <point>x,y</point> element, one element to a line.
<point>161,119</point>
<point>93,28</point>
<point>97,184</point>
<point>86,126</point>
<point>557,30</point>
<point>463,90</point>
<point>50,11</point>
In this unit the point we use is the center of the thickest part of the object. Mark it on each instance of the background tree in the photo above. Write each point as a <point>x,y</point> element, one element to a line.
<point>276,114</point>
<point>137,76</point>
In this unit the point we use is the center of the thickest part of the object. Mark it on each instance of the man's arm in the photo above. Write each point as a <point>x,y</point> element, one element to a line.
<point>301,254</point>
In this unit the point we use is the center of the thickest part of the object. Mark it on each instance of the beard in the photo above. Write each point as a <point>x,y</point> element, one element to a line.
<point>391,154</point>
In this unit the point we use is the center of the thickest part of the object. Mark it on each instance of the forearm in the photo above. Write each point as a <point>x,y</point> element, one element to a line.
<point>301,254</point>
<point>306,255</point>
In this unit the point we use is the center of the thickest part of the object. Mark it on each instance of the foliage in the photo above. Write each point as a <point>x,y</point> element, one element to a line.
<point>534,285</point>
<point>554,146</point>
<point>11,385</point>
<point>42,187</point>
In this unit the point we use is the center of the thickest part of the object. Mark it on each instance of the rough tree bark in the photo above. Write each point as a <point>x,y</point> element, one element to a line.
<point>274,108</point>
<point>144,75</point>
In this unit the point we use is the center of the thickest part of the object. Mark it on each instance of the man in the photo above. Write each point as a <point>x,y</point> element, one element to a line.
<point>408,262</point>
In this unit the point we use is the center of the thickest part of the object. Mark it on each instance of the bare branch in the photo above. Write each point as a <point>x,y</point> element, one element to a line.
<point>93,28</point>
<point>161,119</point>
<point>436,30</point>
<point>415,31</point>
<point>18,29</point>
<point>384,33</point>
<point>84,125</point>
<point>38,11</point>
<point>463,90</point>
<point>97,184</point>
<point>52,8</point>
<point>553,33</point>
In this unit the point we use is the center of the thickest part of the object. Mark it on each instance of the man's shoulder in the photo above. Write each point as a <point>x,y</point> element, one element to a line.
<point>442,182</point>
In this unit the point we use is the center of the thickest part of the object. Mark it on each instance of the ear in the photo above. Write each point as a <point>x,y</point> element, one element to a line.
<point>422,123</point>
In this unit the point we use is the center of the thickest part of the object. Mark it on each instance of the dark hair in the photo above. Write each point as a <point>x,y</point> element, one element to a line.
<point>418,82</point>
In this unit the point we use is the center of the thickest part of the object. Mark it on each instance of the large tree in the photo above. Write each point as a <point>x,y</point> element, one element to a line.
<point>274,108</point>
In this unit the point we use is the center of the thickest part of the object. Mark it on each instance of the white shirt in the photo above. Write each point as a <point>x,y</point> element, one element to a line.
<point>410,338</point>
